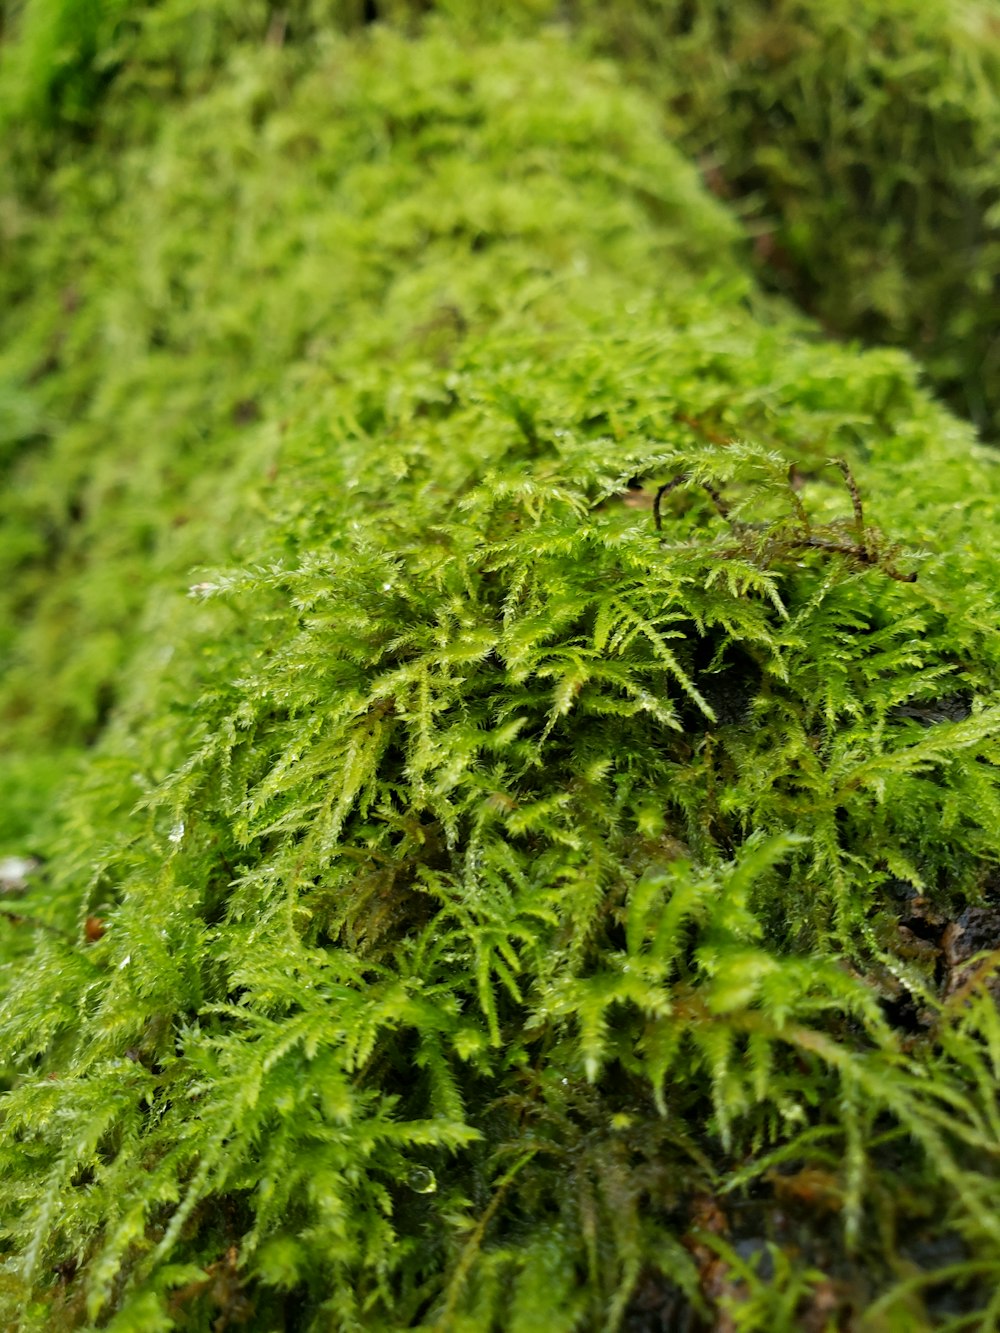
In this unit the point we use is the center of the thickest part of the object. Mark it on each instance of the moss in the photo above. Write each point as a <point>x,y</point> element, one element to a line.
<point>55,58</point>
<point>477,906</point>
<point>858,141</point>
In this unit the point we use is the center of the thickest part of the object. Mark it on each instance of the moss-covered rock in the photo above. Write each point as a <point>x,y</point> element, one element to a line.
<point>533,853</point>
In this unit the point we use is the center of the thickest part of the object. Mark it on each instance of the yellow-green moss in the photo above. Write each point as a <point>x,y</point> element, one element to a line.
<point>470,893</point>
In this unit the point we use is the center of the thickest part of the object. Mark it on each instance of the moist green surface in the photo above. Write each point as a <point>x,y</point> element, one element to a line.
<point>857,141</point>
<point>518,846</point>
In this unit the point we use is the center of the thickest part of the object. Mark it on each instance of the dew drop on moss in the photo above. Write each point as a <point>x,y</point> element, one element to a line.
<point>422,1180</point>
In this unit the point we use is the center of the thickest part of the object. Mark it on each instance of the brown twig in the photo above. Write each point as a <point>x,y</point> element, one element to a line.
<point>862,549</point>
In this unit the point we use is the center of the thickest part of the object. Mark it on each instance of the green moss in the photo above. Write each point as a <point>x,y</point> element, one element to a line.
<point>859,141</point>
<point>55,58</point>
<point>471,892</point>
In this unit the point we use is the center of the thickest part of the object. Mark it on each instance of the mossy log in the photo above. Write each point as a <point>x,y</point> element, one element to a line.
<point>476,898</point>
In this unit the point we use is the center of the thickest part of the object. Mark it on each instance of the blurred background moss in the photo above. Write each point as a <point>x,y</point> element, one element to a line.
<point>857,141</point>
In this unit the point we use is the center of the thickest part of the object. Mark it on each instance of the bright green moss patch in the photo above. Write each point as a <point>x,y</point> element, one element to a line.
<point>480,907</point>
<point>178,296</point>
<point>858,141</point>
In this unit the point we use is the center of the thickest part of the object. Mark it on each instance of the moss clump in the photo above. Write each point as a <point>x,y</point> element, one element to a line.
<point>479,908</point>
<point>859,141</point>
<point>183,294</point>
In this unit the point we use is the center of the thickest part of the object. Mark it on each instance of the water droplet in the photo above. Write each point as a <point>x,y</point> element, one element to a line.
<point>177,832</point>
<point>15,872</point>
<point>422,1180</point>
